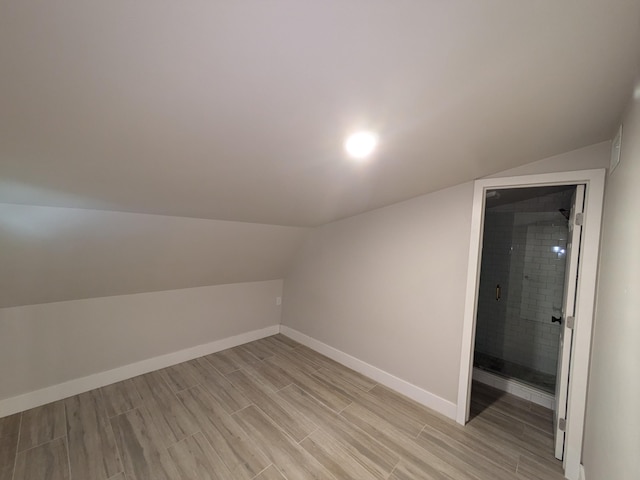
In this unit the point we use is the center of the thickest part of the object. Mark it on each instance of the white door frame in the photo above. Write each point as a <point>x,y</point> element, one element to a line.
<point>574,242</point>
<point>585,301</point>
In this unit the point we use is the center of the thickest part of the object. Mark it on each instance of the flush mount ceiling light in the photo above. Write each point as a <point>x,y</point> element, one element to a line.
<point>361,144</point>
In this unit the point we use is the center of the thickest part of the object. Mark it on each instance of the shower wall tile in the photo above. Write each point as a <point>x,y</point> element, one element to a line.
<point>543,273</point>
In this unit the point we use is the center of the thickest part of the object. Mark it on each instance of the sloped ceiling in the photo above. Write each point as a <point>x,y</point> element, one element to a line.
<point>237,110</point>
<point>53,254</point>
<point>117,118</point>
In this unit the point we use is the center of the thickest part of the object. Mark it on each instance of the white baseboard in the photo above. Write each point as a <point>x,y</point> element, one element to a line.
<point>414,392</point>
<point>514,387</point>
<point>46,395</point>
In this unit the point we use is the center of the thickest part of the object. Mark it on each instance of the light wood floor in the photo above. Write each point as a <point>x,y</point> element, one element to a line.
<point>271,410</point>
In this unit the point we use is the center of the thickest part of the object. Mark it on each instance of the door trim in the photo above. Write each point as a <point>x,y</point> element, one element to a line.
<point>585,301</point>
<point>570,288</point>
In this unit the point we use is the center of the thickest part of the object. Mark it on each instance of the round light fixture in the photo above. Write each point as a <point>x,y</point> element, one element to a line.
<point>361,144</point>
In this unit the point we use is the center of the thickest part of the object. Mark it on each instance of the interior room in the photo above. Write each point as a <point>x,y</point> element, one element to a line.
<point>287,240</point>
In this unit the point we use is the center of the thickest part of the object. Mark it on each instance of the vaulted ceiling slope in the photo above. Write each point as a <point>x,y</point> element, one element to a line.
<point>237,110</point>
<point>52,254</point>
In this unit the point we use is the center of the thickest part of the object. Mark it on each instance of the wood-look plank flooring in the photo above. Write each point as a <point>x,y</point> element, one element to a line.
<point>272,410</point>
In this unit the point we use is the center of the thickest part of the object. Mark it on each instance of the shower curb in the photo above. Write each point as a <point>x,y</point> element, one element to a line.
<point>514,387</point>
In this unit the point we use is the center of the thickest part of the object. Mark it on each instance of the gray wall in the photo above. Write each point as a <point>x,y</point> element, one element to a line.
<point>383,286</point>
<point>48,344</point>
<point>85,291</point>
<point>612,432</point>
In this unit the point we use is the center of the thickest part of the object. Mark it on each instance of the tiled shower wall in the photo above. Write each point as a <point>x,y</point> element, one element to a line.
<point>524,253</point>
<point>542,270</point>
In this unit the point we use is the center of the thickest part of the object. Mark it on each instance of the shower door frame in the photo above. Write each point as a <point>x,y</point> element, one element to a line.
<point>585,298</point>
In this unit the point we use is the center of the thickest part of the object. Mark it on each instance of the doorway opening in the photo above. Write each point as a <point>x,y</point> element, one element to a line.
<point>574,341</point>
<point>522,277</point>
<point>528,278</point>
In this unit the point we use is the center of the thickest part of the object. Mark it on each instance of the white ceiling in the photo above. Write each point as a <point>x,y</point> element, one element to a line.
<point>237,110</point>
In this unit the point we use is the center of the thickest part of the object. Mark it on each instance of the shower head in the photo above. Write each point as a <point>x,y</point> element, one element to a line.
<point>565,213</point>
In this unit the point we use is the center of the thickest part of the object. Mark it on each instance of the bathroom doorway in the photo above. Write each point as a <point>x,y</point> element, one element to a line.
<point>528,281</point>
<point>575,338</point>
<point>522,277</point>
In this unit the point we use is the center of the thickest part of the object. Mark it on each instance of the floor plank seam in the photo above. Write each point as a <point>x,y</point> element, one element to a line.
<point>214,367</point>
<point>241,409</point>
<point>344,408</point>
<point>66,436</point>
<point>68,452</point>
<point>308,435</point>
<point>15,460</point>
<point>286,386</point>
<point>120,456</point>
<point>42,443</point>
<point>262,471</point>
<point>393,469</point>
